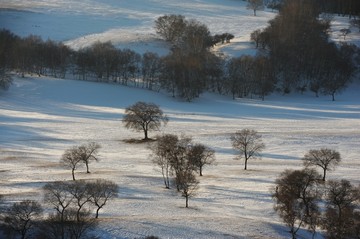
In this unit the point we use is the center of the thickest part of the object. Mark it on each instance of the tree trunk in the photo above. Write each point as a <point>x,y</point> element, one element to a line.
<point>73,174</point>
<point>97,212</point>
<point>200,169</point>
<point>146,134</point>
<point>187,200</point>
<point>324,175</point>
<point>87,167</point>
<point>246,163</point>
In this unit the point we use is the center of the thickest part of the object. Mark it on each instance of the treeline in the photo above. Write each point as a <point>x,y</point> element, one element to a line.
<point>342,7</point>
<point>295,54</point>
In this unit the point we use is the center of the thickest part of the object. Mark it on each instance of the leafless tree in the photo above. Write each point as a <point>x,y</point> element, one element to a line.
<point>255,5</point>
<point>296,195</point>
<point>57,195</point>
<point>324,158</point>
<point>71,218</point>
<point>78,225</point>
<point>88,152</point>
<point>162,151</point>
<point>170,27</point>
<point>255,36</point>
<point>5,79</point>
<point>248,143</point>
<point>21,216</point>
<point>71,227</point>
<point>100,192</point>
<point>187,183</point>
<point>71,159</point>
<point>143,116</point>
<point>80,191</point>
<point>340,212</point>
<point>201,155</point>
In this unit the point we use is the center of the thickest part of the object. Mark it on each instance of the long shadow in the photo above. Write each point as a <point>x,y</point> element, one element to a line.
<point>279,156</point>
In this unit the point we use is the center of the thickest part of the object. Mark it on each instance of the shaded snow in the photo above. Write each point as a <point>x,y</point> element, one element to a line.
<point>41,117</point>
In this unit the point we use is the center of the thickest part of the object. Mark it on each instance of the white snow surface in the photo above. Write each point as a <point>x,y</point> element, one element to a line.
<point>42,117</point>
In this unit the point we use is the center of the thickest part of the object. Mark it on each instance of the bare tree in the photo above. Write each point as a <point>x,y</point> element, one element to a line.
<point>21,216</point>
<point>296,195</point>
<point>162,151</point>
<point>255,5</point>
<point>88,152</point>
<point>5,79</point>
<point>70,159</point>
<point>80,191</point>
<point>57,195</point>
<point>71,219</point>
<point>78,226</point>
<point>143,116</point>
<point>170,27</point>
<point>187,183</point>
<point>248,143</point>
<point>200,156</point>
<point>100,192</point>
<point>340,209</point>
<point>255,36</point>
<point>324,158</point>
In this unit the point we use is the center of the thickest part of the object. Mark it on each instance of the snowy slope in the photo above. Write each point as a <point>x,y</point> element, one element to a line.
<point>41,117</point>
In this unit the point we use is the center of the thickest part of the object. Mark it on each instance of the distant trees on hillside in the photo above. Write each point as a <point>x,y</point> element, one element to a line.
<point>304,61</point>
<point>288,60</point>
<point>341,7</point>
<point>5,79</point>
<point>255,5</point>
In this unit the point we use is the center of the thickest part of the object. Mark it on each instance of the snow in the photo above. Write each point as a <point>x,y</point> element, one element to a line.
<point>42,117</point>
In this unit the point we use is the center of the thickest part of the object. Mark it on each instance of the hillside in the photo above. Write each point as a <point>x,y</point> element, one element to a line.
<point>41,117</point>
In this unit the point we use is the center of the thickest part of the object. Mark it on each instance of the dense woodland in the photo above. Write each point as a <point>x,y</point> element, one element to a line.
<point>294,54</point>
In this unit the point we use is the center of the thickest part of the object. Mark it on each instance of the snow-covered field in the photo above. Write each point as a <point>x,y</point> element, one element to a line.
<point>42,117</point>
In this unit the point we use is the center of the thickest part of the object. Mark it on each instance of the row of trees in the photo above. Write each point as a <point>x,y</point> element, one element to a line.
<point>289,59</point>
<point>72,203</point>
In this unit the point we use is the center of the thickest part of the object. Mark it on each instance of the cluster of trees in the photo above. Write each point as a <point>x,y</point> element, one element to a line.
<point>304,200</point>
<point>180,158</point>
<point>342,7</point>
<point>72,203</point>
<point>177,157</point>
<point>302,56</point>
<point>73,157</point>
